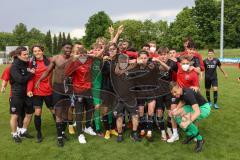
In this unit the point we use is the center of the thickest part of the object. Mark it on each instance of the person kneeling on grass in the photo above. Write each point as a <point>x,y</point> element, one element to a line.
<point>191,108</point>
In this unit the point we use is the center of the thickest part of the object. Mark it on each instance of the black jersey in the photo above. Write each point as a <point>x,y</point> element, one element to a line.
<point>167,75</point>
<point>191,97</point>
<point>211,67</point>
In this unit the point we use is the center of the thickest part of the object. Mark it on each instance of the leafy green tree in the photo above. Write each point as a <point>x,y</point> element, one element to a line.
<point>35,36</point>
<point>55,44</point>
<point>183,26</point>
<point>7,39</point>
<point>48,42</point>
<point>206,16</point>
<point>69,40</point>
<point>60,42</point>
<point>96,26</point>
<point>64,40</point>
<point>231,23</point>
<point>132,32</point>
<point>20,33</point>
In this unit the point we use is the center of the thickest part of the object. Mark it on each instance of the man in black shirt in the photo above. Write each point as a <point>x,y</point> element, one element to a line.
<point>210,64</point>
<point>192,107</point>
<point>19,102</point>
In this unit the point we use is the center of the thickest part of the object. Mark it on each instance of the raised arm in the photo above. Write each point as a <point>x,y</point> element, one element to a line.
<point>119,31</point>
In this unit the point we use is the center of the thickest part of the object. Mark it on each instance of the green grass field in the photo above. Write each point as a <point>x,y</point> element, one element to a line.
<point>220,130</point>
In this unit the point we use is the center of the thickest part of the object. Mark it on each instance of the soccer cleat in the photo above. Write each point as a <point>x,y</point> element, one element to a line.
<point>65,137</point>
<point>216,106</point>
<point>149,136</point>
<point>25,135</point>
<point>17,139</point>
<point>199,145</point>
<point>119,138</point>
<point>135,137</point>
<point>74,124</point>
<point>60,142</point>
<point>89,131</point>
<point>142,133</point>
<point>113,132</point>
<point>187,140</point>
<point>39,137</point>
<point>81,139</point>
<point>173,139</point>
<point>71,129</point>
<point>164,137</point>
<point>107,134</point>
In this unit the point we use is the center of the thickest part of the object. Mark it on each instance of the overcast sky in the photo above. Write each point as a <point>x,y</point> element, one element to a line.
<point>72,15</point>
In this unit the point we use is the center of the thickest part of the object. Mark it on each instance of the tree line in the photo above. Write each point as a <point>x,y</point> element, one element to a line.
<point>200,22</point>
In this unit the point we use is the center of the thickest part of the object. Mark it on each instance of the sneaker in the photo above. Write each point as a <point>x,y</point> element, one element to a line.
<point>216,106</point>
<point>173,139</point>
<point>199,146</point>
<point>210,104</point>
<point>187,140</point>
<point>164,137</point>
<point>71,129</point>
<point>142,133</point>
<point>89,131</point>
<point>169,132</point>
<point>17,139</point>
<point>149,136</point>
<point>74,124</point>
<point>65,137</point>
<point>119,138</point>
<point>39,137</point>
<point>25,135</point>
<point>135,137</point>
<point>99,133</point>
<point>113,132</point>
<point>81,139</point>
<point>107,134</point>
<point>60,142</point>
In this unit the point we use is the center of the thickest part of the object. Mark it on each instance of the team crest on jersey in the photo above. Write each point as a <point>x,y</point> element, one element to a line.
<point>187,77</point>
<point>214,62</point>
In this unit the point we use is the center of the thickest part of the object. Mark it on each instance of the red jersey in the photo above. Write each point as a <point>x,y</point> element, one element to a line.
<point>196,54</point>
<point>81,75</point>
<point>6,76</point>
<point>153,55</point>
<point>44,88</point>
<point>187,79</point>
<point>131,54</point>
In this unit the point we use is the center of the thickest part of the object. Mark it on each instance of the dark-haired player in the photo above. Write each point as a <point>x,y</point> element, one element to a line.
<point>191,108</point>
<point>57,66</point>
<point>211,63</point>
<point>19,102</point>
<point>165,73</point>
<point>44,93</point>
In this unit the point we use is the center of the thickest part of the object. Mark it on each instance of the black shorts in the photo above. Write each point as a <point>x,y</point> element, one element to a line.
<point>38,101</point>
<point>60,100</point>
<point>164,102</point>
<point>143,102</point>
<point>121,107</point>
<point>18,105</point>
<point>211,82</point>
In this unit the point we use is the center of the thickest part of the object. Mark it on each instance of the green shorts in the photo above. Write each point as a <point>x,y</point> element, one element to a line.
<point>204,111</point>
